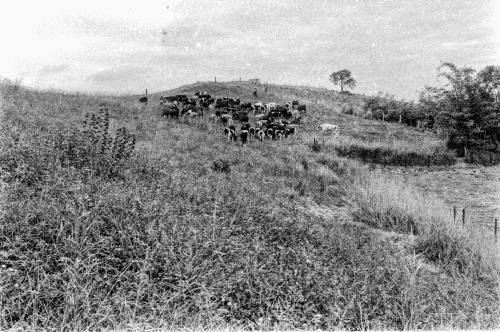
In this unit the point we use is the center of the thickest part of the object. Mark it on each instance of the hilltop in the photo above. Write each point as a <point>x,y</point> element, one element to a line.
<point>166,224</point>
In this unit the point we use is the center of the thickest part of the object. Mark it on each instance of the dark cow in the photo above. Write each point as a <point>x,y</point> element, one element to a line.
<point>274,114</point>
<point>246,127</point>
<point>289,131</point>
<point>171,113</point>
<point>302,108</point>
<point>282,110</point>
<point>244,137</point>
<point>221,103</point>
<point>143,99</point>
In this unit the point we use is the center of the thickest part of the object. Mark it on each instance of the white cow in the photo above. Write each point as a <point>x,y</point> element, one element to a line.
<point>328,127</point>
<point>270,106</point>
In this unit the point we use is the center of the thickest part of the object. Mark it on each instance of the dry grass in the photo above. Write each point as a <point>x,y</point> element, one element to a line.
<point>172,241</point>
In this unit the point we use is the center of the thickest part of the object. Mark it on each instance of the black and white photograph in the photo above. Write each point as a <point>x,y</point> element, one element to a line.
<point>249,165</point>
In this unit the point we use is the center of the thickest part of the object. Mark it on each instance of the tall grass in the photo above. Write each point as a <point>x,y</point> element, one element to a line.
<point>387,203</point>
<point>190,231</point>
<point>427,151</point>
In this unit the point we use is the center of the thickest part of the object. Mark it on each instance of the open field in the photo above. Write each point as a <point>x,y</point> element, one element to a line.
<point>280,237</point>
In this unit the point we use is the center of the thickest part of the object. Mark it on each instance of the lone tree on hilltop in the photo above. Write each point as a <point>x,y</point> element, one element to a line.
<point>343,78</point>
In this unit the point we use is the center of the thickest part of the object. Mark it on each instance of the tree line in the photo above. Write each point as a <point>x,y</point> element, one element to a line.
<point>466,109</point>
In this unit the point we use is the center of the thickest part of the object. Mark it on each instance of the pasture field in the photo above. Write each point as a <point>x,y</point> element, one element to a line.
<point>192,231</point>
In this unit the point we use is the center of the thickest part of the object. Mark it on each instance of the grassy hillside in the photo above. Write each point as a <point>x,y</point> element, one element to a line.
<point>281,237</point>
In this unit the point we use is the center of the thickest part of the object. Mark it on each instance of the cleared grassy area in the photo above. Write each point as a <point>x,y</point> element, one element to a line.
<point>163,240</point>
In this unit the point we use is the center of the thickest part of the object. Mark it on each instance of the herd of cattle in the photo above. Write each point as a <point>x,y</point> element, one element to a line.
<point>271,120</point>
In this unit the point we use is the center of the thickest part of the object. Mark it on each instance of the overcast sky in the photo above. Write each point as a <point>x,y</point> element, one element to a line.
<point>127,46</point>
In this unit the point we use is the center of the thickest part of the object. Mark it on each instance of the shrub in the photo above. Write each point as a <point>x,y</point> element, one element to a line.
<point>221,166</point>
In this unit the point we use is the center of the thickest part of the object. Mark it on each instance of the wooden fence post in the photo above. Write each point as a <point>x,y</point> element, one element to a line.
<point>463,216</point>
<point>496,228</point>
<point>454,213</point>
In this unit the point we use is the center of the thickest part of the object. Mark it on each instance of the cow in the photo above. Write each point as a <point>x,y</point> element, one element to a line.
<point>221,103</point>
<point>192,114</point>
<point>270,106</point>
<point>229,133</point>
<point>260,134</point>
<point>270,133</point>
<point>328,127</point>
<point>244,137</point>
<point>143,99</point>
<point>171,113</point>
<point>295,114</point>
<point>302,108</point>
<point>258,106</point>
<point>225,118</point>
<point>289,131</point>
<point>274,114</point>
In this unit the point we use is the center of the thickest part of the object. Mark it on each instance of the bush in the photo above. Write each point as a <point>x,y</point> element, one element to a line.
<point>221,166</point>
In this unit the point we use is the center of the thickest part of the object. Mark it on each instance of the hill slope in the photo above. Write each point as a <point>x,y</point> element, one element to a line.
<point>193,231</point>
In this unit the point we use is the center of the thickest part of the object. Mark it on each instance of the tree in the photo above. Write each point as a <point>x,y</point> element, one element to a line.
<point>343,78</point>
<point>466,106</point>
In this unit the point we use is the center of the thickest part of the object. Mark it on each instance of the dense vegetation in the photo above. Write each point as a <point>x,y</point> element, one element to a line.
<point>121,219</point>
<point>466,111</point>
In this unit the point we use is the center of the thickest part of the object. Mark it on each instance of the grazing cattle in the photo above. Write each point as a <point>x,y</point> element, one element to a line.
<point>328,127</point>
<point>261,135</point>
<point>251,131</point>
<point>192,114</point>
<point>244,117</point>
<point>230,134</point>
<point>270,106</point>
<point>289,131</point>
<point>259,116</point>
<point>246,127</point>
<point>301,108</point>
<point>221,103</point>
<point>244,137</point>
<point>143,99</point>
<point>258,106</point>
<point>296,115</point>
<point>270,133</point>
<point>171,113</point>
<point>261,123</point>
<point>246,106</point>
<point>274,114</point>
